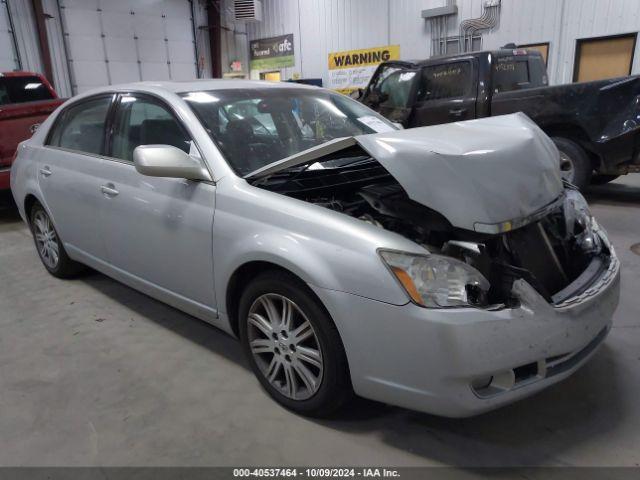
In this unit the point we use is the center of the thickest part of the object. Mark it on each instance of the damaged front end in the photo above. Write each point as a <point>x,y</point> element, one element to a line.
<point>560,255</point>
<point>556,247</point>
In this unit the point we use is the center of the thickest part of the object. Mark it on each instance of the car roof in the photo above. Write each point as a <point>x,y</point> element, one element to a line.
<point>197,85</point>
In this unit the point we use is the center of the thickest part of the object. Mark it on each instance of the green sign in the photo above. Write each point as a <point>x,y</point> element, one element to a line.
<point>272,53</point>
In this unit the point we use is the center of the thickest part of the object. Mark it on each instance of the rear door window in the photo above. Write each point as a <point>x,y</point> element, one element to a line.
<point>81,126</point>
<point>449,80</point>
<point>518,73</point>
<point>22,90</point>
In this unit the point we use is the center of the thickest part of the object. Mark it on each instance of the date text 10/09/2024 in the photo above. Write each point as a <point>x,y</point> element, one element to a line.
<point>317,472</point>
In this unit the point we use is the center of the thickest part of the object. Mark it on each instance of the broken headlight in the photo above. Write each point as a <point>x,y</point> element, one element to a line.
<point>579,222</point>
<point>435,281</point>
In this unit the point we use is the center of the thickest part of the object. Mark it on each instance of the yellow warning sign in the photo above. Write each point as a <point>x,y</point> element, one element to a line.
<point>352,69</point>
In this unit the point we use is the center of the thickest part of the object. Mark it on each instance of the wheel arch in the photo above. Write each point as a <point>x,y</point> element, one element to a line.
<point>242,275</point>
<point>576,134</point>
<point>29,201</point>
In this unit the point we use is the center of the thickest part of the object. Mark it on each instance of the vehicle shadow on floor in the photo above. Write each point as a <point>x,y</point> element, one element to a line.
<point>191,328</point>
<point>614,194</point>
<point>8,210</point>
<point>534,431</point>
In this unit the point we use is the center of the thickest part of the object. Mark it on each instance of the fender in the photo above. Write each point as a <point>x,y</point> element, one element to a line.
<point>312,242</point>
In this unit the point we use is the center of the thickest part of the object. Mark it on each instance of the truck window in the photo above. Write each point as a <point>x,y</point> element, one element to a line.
<point>518,72</point>
<point>450,80</point>
<point>383,74</point>
<point>22,89</point>
<point>396,88</point>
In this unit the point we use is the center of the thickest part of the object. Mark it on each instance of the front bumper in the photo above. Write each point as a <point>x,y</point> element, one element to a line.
<point>427,360</point>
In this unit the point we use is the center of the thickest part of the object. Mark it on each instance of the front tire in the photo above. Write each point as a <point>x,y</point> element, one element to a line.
<point>49,246</point>
<point>293,346</point>
<point>575,166</point>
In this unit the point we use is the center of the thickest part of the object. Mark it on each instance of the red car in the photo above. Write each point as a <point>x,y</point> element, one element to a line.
<point>26,99</point>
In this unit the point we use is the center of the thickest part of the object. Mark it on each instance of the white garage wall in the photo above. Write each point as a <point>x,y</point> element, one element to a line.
<point>234,45</point>
<point>25,34</point>
<point>9,59</point>
<point>324,26</point>
<point>118,41</point>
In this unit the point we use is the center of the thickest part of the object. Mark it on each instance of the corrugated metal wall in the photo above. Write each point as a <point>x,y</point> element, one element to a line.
<point>9,58</point>
<point>25,34</point>
<point>97,42</point>
<point>324,26</point>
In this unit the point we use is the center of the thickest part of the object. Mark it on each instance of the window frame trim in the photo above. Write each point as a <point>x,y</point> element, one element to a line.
<point>154,99</point>
<point>61,117</point>
<point>172,111</point>
<point>116,95</point>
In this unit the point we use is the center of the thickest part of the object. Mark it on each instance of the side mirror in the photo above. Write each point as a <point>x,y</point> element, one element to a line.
<point>357,94</point>
<point>168,161</point>
<point>398,125</point>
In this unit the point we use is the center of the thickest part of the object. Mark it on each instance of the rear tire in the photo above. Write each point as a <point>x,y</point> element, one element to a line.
<point>300,362</point>
<point>49,246</point>
<point>575,165</point>
<point>602,179</point>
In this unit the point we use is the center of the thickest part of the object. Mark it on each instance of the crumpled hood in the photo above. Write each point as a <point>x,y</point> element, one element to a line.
<point>485,171</point>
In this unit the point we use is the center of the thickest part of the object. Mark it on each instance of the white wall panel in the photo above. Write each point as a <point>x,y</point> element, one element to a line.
<point>202,37</point>
<point>116,41</point>
<point>323,26</point>
<point>57,49</point>
<point>8,54</point>
<point>26,34</point>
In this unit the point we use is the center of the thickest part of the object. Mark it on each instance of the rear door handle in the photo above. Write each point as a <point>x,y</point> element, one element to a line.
<point>109,189</point>
<point>45,171</point>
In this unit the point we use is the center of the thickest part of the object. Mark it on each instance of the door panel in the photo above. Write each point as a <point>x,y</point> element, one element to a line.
<point>160,230</point>
<point>70,183</point>
<point>447,94</point>
<point>71,171</point>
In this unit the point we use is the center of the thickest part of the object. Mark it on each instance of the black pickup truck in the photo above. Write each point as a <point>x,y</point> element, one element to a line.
<point>595,125</point>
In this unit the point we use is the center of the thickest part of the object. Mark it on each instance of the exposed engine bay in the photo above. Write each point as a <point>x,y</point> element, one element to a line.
<point>551,253</point>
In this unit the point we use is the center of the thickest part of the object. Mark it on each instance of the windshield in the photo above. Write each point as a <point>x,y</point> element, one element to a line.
<point>22,89</point>
<point>254,128</point>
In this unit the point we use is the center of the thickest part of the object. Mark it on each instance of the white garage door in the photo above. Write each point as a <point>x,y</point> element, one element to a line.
<point>117,41</point>
<point>8,56</point>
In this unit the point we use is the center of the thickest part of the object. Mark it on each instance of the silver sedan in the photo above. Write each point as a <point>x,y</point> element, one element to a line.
<point>446,269</point>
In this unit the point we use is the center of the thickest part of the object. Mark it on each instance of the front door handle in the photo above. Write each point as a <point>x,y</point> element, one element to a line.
<point>45,171</point>
<point>457,112</point>
<point>109,190</point>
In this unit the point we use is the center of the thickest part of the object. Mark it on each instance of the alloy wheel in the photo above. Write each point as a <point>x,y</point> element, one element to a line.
<point>285,347</point>
<point>46,239</point>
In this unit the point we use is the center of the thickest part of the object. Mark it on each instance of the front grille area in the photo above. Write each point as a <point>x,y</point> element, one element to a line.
<point>558,259</point>
<point>508,380</point>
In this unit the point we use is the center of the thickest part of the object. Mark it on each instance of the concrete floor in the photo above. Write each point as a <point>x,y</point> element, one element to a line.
<point>94,373</point>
